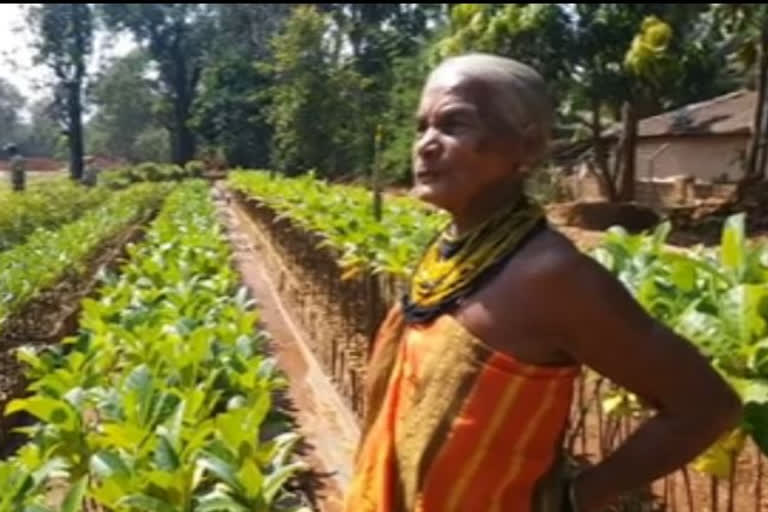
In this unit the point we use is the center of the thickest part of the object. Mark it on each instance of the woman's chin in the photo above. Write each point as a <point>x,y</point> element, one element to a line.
<point>431,193</point>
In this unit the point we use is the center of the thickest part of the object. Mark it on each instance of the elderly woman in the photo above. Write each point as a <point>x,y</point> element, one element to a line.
<point>471,379</point>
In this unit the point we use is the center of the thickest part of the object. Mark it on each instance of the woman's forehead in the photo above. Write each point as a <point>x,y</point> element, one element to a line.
<point>454,89</point>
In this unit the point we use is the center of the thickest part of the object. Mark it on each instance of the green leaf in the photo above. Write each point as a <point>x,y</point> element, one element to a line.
<point>146,503</point>
<point>109,464</point>
<point>732,245</point>
<point>165,456</point>
<point>250,478</point>
<point>684,276</point>
<point>126,436</point>
<point>49,410</point>
<point>37,508</point>
<point>49,469</point>
<point>74,500</point>
<point>275,481</point>
<point>217,501</point>
<point>223,471</point>
<point>718,459</point>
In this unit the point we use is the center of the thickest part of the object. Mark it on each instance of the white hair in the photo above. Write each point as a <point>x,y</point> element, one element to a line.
<point>518,96</point>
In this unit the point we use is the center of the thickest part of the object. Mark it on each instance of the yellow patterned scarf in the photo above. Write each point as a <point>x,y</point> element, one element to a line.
<point>454,267</point>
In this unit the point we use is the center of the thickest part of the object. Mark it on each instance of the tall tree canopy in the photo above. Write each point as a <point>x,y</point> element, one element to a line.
<point>64,36</point>
<point>126,103</point>
<point>177,38</point>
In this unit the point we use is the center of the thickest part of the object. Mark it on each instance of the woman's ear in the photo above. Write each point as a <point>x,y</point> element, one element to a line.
<point>535,145</point>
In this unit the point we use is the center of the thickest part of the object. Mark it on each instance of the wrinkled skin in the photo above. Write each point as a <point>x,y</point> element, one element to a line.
<point>461,156</point>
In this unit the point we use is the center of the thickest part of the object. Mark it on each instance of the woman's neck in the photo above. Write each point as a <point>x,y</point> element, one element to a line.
<point>485,205</point>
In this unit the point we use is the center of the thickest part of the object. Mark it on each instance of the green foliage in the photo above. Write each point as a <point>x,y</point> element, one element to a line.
<point>176,38</point>
<point>152,144</point>
<point>64,42</point>
<point>537,34</point>
<point>48,255</point>
<point>42,134</point>
<point>343,217</point>
<point>11,103</point>
<point>161,401</point>
<point>195,169</point>
<point>718,299</point>
<point>309,86</point>
<point>150,172</point>
<point>126,101</point>
<point>231,110</point>
<point>46,206</point>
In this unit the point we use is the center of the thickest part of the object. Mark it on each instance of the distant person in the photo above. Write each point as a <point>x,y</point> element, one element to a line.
<point>90,172</point>
<point>18,171</point>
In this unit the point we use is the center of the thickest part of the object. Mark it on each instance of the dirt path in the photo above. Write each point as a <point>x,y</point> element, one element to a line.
<point>327,425</point>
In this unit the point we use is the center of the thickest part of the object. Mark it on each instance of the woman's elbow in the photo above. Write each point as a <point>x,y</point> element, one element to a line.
<point>725,410</point>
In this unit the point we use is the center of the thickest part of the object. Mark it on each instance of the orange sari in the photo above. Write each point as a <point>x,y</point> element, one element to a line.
<point>455,426</point>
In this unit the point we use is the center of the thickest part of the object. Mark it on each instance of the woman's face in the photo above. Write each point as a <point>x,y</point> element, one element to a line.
<point>458,155</point>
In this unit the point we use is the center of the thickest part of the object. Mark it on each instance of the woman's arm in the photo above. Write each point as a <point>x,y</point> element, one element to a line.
<point>592,317</point>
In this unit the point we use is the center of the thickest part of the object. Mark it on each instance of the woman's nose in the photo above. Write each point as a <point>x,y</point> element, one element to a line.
<point>428,146</point>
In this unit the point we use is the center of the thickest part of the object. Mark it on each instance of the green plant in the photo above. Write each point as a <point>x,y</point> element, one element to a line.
<point>48,255</point>
<point>343,217</point>
<point>160,402</point>
<point>718,298</point>
<point>44,205</point>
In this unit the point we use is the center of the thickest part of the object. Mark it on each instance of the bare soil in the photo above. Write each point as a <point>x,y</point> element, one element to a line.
<point>320,415</point>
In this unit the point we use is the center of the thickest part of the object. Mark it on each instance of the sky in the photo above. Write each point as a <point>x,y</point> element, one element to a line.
<point>17,52</point>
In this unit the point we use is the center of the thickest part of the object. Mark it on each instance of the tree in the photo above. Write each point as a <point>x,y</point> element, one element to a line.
<point>384,39</point>
<point>11,103</point>
<point>230,114</point>
<point>231,110</point>
<point>125,101</point>
<point>580,50</point>
<point>42,136</point>
<point>746,28</point>
<point>315,99</point>
<point>176,37</point>
<point>537,34</point>
<point>666,71</point>
<point>64,42</point>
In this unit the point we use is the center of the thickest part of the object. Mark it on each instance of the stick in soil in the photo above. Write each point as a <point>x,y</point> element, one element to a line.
<point>714,494</point>
<point>732,484</point>
<point>759,481</point>
<point>688,489</point>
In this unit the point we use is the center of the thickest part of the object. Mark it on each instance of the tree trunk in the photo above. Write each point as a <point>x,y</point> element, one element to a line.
<point>629,129</point>
<point>184,84</point>
<point>601,157</point>
<point>183,145</point>
<point>74,101</point>
<point>599,150</point>
<point>756,147</point>
<point>183,140</point>
<point>75,139</point>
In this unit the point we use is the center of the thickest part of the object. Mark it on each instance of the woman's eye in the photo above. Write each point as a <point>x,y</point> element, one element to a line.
<point>451,126</point>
